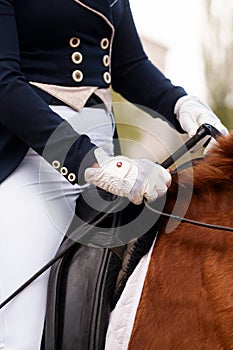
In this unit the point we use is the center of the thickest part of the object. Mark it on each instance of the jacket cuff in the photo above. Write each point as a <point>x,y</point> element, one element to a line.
<point>70,153</point>
<point>86,160</point>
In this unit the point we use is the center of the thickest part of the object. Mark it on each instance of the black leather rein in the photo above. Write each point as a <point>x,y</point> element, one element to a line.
<point>203,131</point>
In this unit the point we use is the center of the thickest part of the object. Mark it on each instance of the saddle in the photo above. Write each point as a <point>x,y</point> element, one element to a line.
<point>86,283</point>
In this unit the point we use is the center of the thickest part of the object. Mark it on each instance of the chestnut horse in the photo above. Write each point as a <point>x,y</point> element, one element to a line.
<point>187,299</point>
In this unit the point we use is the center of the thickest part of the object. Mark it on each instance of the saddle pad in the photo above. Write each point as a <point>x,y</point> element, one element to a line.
<point>123,316</point>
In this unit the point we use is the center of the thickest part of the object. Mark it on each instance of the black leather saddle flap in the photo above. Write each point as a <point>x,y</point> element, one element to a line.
<point>80,293</point>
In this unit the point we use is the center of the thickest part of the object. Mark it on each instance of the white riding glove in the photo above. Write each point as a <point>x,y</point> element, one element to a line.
<point>135,179</point>
<point>192,113</point>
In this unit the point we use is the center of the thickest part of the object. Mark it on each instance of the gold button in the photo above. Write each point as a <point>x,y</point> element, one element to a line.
<point>71,177</point>
<point>77,76</point>
<point>107,77</point>
<point>56,164</point>
<point>77,57</point>
<point>64,170</point>
<point>74,41</point>
<point>104,44</point>
<point>106,60</point>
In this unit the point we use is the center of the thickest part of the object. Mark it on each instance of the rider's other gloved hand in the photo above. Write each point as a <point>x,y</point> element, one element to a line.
<point>192,113</point>
<point>135,179</point>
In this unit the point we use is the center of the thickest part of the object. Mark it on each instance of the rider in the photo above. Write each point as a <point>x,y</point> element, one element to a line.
<point>57,61</point>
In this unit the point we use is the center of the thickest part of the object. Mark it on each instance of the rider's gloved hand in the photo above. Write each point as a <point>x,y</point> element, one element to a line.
<point>192,113</point>
<point>132,178</point>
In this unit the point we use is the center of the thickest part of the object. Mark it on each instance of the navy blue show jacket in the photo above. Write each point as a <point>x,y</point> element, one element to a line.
<point>35,45</point>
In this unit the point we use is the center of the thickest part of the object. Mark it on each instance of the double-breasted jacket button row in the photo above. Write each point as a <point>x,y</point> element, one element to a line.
<point>77,58</point>
<point>104,44</point>
<point>64,171</point>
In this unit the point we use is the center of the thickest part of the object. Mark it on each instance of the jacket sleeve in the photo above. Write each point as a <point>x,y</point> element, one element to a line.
<point>27,116</point>
<point>136,78</point>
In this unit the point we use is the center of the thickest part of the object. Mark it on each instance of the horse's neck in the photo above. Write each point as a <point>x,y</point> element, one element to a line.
<point>187,297</point>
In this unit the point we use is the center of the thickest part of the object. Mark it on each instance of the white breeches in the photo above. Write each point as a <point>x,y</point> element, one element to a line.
<point>36,207</point>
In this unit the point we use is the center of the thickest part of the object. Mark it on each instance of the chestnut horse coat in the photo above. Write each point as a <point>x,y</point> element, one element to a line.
<point>187,297</point>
